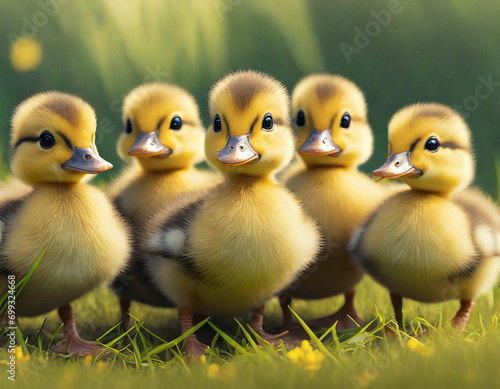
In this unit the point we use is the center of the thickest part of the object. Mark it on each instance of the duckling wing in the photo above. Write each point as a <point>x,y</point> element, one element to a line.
<point>8,211</point>
<point>167,233</point>
<point>484,217</point>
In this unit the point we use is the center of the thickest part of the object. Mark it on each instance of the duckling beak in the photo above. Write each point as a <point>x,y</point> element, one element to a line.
<point>320,143</point>
<point>398,165</point>
<point>148,144</point>
<point>84,160</point>
<point>238,151</point>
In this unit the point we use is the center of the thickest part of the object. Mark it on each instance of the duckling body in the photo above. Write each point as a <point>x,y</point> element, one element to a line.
<point>249,261</point>
<point>437,241</point>
<point>163,136</point>
<point>334,138</point>
<point>86,242</point>
<point>339,201</point>
<point>431,247</point>
<point>50,217</point>
<point>231,250</point>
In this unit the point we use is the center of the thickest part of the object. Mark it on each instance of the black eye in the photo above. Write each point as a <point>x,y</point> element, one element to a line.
<point>176,123</point>
<point>217,124</point>
<point>432,144</point>
<point>128,126</point>
<point>47,140</point>
<point>267,122</point>
<point>301,118</point>
<point>346,120</point>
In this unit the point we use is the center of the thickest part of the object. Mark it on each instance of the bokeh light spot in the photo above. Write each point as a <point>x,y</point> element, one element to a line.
<point>25,54</point>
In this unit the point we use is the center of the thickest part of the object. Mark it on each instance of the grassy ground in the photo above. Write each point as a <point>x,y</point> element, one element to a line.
<point>374,357</point>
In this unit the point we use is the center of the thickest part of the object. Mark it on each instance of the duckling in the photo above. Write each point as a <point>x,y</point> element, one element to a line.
<point>231,250</point>
<point>436,241</point>
<point>84,241</point>
<point>334,138</point>
<point>164,138</point>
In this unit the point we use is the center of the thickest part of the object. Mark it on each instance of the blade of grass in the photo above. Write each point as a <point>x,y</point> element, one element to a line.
<point>20,285</point>
<point>52,338</point>
<point>177,340</point>
<point>313,337</point>
<point>229,340</point>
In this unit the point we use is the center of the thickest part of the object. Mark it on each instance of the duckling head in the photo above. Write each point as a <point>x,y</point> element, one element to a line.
<point>162,130</point>
<point>330,122</point>
<point>53,140</point>
<point>250,132</point>
<point>429,149</point>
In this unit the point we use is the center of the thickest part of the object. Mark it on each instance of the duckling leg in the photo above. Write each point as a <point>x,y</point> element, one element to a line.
<point>257,322</point>
<point>72,342</point>
<point>125,306</point>
<point>192,346</point>
<point>397,304</point>
<point>463,315</point>
<point>285,302</point>
<point>343,317</point>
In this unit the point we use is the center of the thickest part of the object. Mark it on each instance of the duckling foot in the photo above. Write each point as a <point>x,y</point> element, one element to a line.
<point>463,315</point>
<point>193,347</point>
<point>257,322</point>
<point>72,343</point>
<point>345,317</point>
<point>75,345</point>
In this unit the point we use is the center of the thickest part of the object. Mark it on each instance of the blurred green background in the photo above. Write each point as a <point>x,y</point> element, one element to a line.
<point>407,51</point>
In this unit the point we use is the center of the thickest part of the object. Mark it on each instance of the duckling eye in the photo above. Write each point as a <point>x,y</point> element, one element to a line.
<point>432,144</point>
<point>176,123</point>
<point>47,140</point>
<point>128,126</point>
<point>301,118</point>
<point>267,122</point>
<point>345,122</point>
<point>217,124</point>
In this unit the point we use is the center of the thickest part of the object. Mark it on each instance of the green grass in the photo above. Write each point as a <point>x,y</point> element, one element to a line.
<point>374,357</point>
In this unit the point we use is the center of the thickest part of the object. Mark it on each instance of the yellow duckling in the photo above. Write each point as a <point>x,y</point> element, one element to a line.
<point>437,241</point>
<point>334,138</point>
<point>233,249</point>
<point>85,241</point>
<point>164,136</point>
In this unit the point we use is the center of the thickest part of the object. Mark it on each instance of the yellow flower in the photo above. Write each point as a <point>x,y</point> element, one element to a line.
<point>25,54</point>
<point>203,359</point>
<point>306,357</point>
<point>88,359</point>
<point>20,357</point>
<point>420,348</point>
<point>213,370</point>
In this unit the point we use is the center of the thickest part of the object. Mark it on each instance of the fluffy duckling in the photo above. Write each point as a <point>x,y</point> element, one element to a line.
<point>164,137</point>
<point>240,244</point>
<point>437,241</point>
<point>85,241</point>
<point>334,138</point>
